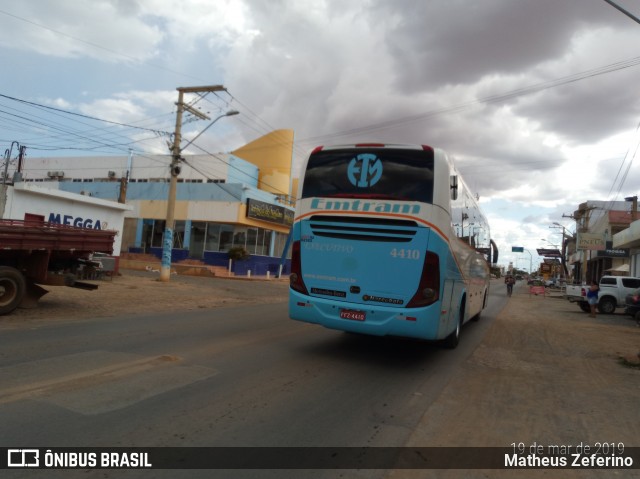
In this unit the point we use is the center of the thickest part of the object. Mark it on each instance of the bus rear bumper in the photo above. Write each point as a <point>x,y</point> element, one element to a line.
<point>420,323</point>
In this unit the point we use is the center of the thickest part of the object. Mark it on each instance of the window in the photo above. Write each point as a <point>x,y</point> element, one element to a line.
<point>252,238</point>
<point>260,242</point>
<point>158,232</point>
<point>240,238</point>
<point>178,234</point>
<point>385,173</point>
<point>631,282</point>
<point>608,281</point>
<point>280,242</point>
<point>226,237</point>
<point>198,234</point>
<point>212,239</point>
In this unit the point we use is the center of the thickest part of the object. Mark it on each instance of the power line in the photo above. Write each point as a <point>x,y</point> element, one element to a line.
<point>95,45</point>
<point>490,99</point>
<point>158,132</point>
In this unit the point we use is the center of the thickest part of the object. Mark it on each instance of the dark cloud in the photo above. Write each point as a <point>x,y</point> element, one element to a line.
<point>436,43</point>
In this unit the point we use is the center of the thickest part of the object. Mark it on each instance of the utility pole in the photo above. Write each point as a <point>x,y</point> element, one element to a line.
<point>7,154</point>
<point>634,207</point>
<point>563,252</point>
<point>174,168</point>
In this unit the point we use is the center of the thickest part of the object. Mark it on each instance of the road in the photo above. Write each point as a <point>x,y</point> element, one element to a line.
<point>232,376</point>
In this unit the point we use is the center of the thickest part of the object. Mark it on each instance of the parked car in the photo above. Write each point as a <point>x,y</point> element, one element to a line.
<point>632,304</point>
<point>613,293</point>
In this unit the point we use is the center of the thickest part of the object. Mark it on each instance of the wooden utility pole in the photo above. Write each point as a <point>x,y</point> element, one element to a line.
<point>174,168</point>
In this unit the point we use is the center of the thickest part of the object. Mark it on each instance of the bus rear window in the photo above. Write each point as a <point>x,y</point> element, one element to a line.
<point>382,173</point>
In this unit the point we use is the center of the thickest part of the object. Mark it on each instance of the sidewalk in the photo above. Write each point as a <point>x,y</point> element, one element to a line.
<point>188,267</point>
<point>140,292</point>
<point>545,373</point>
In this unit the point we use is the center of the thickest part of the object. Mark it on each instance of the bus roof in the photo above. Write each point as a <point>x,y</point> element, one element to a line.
<point>373,145</point>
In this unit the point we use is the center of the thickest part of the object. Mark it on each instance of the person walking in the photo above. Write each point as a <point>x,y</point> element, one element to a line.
<point>592,297</point>
<point>510,280</point>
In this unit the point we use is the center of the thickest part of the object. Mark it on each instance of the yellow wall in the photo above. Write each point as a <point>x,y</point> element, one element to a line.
<point>272,154</point>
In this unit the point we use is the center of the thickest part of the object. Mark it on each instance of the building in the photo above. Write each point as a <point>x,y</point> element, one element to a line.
<point>629,238</point>
<point>24,200</point>
<point>240,199</point>
<point>596,254</point>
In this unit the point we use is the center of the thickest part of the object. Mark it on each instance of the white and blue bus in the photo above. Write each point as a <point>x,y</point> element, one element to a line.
<point>388,240</point>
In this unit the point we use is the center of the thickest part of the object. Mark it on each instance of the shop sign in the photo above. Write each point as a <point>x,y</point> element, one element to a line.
<point>611,252</point>
<point>259,210</point>
<point>591,241</point>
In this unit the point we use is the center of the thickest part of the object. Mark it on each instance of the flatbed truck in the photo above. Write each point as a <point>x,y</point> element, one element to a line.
<point>36,252</point>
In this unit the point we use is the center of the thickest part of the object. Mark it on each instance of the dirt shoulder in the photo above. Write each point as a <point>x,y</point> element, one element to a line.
<point>140,292</point>
<point>546,373</point>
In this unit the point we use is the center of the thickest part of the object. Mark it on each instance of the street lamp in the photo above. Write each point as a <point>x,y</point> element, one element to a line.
<point>229,113</point>
<point>550,243</point>
<point>174,168</point>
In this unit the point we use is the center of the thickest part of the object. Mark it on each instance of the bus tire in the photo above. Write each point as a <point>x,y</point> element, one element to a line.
<point>484,305</point>
<point>12,289</point>
<point>452,341</point>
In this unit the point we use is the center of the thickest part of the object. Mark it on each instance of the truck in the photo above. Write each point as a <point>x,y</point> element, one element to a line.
<point>34,253</point>
<point>613,290</point>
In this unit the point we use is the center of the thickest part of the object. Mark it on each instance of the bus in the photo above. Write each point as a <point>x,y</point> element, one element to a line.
<point>387,240</point>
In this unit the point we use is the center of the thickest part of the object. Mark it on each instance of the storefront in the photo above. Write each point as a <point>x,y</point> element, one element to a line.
<point>630,239</point>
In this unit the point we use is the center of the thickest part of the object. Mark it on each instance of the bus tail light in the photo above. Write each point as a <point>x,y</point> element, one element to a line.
<point>295,279</point>
<point>429,287</point>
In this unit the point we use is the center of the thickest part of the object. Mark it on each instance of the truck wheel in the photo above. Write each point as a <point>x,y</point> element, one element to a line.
<point>584,306</point>
<point>12,289</point>
<point>607,306</point>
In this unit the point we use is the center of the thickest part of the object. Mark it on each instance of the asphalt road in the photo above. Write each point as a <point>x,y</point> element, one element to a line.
<point>233,376</point>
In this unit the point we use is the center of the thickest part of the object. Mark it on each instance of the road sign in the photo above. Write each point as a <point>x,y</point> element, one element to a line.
<point>517,249</point>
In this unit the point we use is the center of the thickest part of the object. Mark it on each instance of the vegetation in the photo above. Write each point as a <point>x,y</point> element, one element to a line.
<point>238,254</point>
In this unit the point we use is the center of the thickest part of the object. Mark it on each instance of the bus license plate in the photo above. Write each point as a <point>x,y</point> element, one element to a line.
<point>353,315</point>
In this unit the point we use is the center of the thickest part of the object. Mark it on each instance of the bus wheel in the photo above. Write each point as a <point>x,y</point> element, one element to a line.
<point>12,289</point>
<point>484,305</point>
<point>451,341</point>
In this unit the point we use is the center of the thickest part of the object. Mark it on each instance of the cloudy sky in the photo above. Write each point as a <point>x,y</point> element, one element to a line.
<point>538,100</point>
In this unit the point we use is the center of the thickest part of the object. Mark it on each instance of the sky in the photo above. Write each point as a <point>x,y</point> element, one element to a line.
<point>537,100</point>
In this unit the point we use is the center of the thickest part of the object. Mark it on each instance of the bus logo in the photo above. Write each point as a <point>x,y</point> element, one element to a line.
<point>364,170</point>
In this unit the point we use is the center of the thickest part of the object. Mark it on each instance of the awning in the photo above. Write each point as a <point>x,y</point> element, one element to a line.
<point>623,268</point>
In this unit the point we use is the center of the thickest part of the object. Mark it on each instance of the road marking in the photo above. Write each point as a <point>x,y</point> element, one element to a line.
<point>97,381</point>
